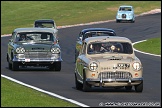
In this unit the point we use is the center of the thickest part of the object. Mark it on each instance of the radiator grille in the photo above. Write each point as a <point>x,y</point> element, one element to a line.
<point>115,75</point>
<point>123,15</point>
<point>37,55</point>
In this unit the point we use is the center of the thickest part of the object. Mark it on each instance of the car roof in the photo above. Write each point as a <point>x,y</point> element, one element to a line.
<point>32,29</point>
<point>45,20</point>
<point>107,38</point>
<point>97,29</point>
<point>126,6</point>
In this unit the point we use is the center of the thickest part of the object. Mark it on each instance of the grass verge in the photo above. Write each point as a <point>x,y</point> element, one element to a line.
<point>16,95</point>
<point>15,14</point>
<point>152,46</point>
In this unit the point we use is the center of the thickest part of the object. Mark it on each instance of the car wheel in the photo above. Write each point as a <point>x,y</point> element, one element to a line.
<point>9,65</point>
<point>57,66</point>
<point>86,86</point>
<point>15,66</point>
<point>78,85</point>
<point>139,87</point>
<point>51,67</point>
<point>128,87</point>
<point>117,21</point>
<point>132,21</point>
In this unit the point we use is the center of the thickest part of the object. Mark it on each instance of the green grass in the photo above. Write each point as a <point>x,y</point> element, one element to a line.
<point>151,46</point>
<point>15,14</point>
<point>15,95</point>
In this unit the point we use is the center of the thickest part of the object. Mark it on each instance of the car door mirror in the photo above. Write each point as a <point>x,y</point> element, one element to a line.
<point>80,39</point>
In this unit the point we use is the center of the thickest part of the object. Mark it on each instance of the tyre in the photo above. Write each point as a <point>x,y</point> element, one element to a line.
<point>51,67</point>
<point>15,66</point>
<point>128,87</point>
<point>9,65</point>
<point>139,87</point>
<point>57,66</point>
<point>86,86</point>
<point>78,85</point>
<point>117,21</point>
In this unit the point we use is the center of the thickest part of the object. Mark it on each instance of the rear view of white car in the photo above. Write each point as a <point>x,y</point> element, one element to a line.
<point>125,13</point>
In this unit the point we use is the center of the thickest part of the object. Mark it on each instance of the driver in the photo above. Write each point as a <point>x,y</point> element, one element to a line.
<point>22,37</point>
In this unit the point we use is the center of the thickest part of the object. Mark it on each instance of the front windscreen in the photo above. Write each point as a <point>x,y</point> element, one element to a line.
<point>109,47</point>
<point>125,9</point>
<point>34,36</point>
<point>44,25</point>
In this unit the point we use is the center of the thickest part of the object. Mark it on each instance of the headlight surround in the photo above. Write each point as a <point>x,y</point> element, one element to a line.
<point>136,66</point>
<point>55,50</point>
<point>20,50</point>
<point>93,66</point>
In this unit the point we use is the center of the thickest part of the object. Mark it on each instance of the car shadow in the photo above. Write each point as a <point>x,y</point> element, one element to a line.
<point>39,69</point>
<point>109,89</point>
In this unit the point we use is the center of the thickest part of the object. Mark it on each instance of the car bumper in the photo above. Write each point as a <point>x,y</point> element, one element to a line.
<point>114,82</point>
<point>28,60</point>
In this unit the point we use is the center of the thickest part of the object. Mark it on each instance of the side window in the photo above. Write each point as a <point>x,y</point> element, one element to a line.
<point>13,35</point>
<point>83,51</point>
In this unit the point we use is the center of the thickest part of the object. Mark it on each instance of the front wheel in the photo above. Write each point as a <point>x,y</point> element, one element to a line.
<point>57,66</point>
<point>78,85</point>
<point>9,65</point>
<point>86,86</point>
<point>139,87</point>
<point>15,66</point>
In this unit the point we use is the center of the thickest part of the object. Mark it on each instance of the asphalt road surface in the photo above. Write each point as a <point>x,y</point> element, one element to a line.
<point>63,82</point>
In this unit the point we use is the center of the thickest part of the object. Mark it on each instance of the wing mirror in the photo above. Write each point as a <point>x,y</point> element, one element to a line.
<point>80,39</point>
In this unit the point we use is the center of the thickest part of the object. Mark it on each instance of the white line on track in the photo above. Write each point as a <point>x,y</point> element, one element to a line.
<point>46,92</point>
<point>59,27</point>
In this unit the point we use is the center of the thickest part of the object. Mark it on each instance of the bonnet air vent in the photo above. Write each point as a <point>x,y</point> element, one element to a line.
<point>115,59</point>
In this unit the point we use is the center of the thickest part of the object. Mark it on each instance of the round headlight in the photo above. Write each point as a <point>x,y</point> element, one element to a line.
<point>55,50</point>
<point>136,66</point>
<point>20,50</point>
<point>93,66</point>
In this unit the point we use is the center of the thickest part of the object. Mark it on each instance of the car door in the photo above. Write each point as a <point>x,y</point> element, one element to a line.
<point>79,43</point>
<point>80,61</point>
<point>11,44</point>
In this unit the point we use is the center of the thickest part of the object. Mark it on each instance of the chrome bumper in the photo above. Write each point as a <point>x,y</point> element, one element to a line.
<point>114,82</point>
<point>15,59</point>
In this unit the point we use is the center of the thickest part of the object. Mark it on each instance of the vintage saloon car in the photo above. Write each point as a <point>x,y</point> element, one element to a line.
<point>108,61</point>
<point>91,32</point>
<point>47,23</point>
<point>34,47</point>
<point>125,13</point>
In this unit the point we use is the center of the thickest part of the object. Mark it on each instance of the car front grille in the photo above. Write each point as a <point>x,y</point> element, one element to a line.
<point>37,55</point>
<point>123,15</point>
<point>115,75</point>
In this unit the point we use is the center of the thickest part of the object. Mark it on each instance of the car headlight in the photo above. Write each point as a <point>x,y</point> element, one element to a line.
<point>136,66</point>
<point>20,50</point>
<point>93,66</point>
<point>129,14</point>
<point>118,15</point>
<point>55,50</point>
